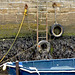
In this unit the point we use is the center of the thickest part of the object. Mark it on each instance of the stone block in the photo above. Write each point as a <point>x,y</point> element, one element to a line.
<point>72,18</point>
<point>51,16</point>
<point>64,10</point>
<point>10,18</point>
<point>72,10</point>
<point>3,5</point>
<point>33,0</point>
<point>4,1</point>
<point>30,5</point>
<point>50,23</point>
<point>14,0</point>
<point>49,4</point>
<point>73,5</point>
<point>32,10</point>
<point>26,0</point>
<point>67,0</point>
<point>12,11</point>
<point>1,18</point>
<point>19,17</point>
<point>67,4</point>
<point>3,11</point>
<point>32,17</point>
<point>54,0</point>
<point>10,5</point>
<point>50,10</point>
<point>16,5</point>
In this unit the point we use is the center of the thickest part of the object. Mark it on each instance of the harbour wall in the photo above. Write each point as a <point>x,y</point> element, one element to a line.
<point>11,11</point>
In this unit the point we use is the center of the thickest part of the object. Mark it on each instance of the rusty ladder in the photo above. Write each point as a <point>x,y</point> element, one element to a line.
<point>42,20</point>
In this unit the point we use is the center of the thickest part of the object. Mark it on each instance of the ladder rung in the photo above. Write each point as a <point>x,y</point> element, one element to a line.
<point>32,21</point>
<point>41,30</point>
<point>42,24</point>
<point>42,18</point>
<point>33,29</point>
<point>41,37</point>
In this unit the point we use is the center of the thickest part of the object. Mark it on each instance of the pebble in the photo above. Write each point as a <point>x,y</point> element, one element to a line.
<point>63,47</point>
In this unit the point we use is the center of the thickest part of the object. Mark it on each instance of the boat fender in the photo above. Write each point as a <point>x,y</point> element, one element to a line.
<point>43,45</point>
<point>54,29</point>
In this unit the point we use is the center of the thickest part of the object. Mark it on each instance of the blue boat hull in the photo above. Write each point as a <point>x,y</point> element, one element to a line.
<point>45,67</point>
<point>12,71</point>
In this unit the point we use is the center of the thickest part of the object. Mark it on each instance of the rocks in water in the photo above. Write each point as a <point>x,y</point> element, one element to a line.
<point>21,44</point>
<point>63,47</point>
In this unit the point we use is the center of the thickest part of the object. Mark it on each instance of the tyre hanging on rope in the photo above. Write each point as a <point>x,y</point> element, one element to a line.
<point>57,30</point>
<point>43,45</point>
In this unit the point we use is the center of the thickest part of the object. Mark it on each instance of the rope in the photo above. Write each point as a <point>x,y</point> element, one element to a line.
<point>18,54</point>
<point>14,39</point>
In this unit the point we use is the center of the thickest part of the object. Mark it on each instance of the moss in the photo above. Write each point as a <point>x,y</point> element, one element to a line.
<point>10,30</point>
<point>69,30</point>
<point>51,49</point>
<point>69,34</point>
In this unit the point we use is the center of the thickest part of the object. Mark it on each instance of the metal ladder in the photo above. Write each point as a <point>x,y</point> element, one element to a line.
<point>42,20</point>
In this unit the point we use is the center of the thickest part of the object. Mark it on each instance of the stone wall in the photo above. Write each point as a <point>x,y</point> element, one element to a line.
<point>11,11</point>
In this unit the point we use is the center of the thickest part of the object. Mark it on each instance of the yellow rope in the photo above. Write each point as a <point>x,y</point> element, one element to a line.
<point>15,38</point>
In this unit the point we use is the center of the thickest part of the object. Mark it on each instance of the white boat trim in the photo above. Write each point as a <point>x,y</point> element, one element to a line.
<point>11,66</point>
<point>40,71</point>
<point>45,71</point>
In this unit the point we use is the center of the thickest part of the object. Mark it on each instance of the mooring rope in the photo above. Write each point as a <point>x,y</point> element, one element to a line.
<point>25,13</point>
<point>14,39</point>
<point>17,55</point>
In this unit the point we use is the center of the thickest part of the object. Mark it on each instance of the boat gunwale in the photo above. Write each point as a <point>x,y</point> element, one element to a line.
<point>45,71</point>
<point>23,69</point>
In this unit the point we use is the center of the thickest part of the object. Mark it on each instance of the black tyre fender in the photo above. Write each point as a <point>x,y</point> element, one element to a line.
<point>43,45</point>
<point>59,27</point>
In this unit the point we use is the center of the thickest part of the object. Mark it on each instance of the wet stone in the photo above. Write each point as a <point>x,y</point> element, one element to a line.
<point>63,47</point>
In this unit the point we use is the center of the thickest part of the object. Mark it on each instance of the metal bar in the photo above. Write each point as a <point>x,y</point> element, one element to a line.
<point>42,24</point>
<point>46,25</point>
<point>17,68</point>
<point>42,18</point>
<point>41,37</point>
<point>31,21</point>
<point>37,21</point>
<point>42,31</point>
